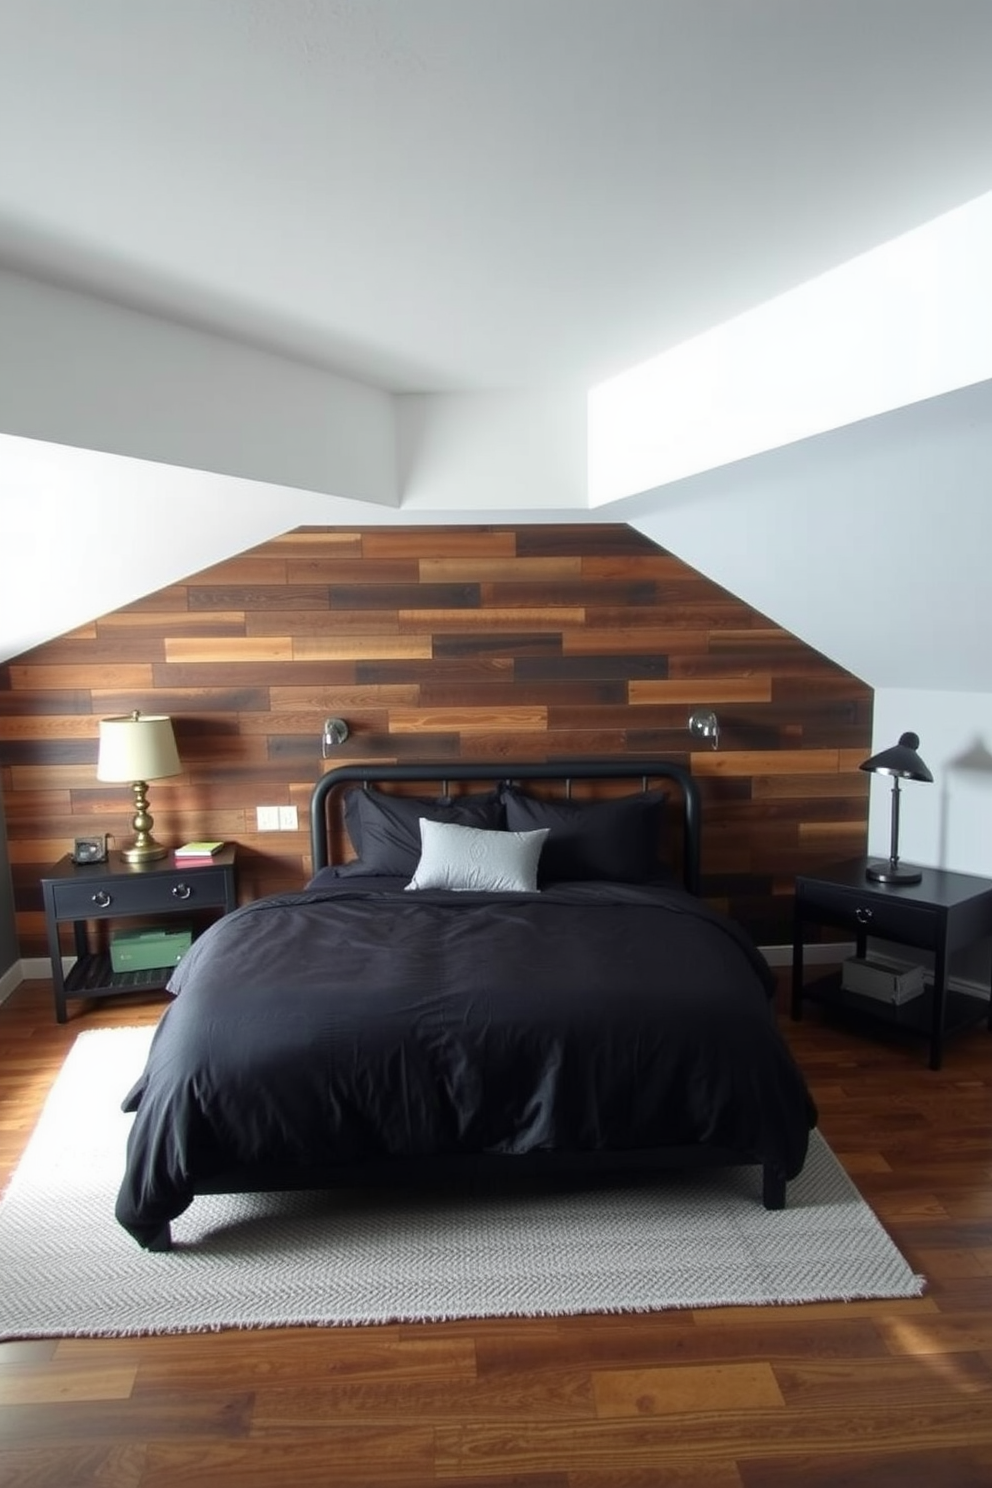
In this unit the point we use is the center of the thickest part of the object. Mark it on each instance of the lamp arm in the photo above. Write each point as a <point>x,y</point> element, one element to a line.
<point>894,839</point>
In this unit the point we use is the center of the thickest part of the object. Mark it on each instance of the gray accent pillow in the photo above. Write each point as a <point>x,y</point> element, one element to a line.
<point>463,858</point>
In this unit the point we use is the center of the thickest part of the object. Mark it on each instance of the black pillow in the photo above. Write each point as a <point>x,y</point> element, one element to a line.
<point>617,840</point>
<point>385,829</point>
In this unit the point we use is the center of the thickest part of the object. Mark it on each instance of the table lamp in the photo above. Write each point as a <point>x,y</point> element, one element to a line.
<point>903,763</point>
<point>136,749</point>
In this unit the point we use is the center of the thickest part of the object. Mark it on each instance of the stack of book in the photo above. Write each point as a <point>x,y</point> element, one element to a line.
<point>197,852</point>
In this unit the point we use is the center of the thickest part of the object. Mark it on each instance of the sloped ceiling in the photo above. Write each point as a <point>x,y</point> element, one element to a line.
<point>454,197</point>
<point>441,195</point>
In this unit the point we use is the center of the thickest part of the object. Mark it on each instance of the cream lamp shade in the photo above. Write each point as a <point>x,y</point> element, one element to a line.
<point>138,748</point>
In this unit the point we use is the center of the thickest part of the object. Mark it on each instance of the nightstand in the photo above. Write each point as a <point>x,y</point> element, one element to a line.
<point>116,889</point>
<point>943,913</point>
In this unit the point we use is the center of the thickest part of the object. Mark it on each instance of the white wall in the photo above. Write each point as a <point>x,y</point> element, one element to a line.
<point>76,370</point>
<point>906,322</point>
<point>872,543</point>
<point>947,824</point>
<point>83,533</point>
<point>494,450</point>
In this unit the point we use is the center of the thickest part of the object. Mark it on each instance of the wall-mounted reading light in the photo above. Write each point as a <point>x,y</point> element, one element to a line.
<point>335,733</point>
<point>704,724</point>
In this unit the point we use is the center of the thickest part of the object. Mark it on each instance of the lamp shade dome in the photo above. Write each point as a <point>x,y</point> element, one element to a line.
<point>902,760</point>
<point>137,747</point>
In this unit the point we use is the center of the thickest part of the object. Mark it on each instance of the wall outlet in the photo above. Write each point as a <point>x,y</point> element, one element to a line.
<point>268,818</point>
<point>288,820</point>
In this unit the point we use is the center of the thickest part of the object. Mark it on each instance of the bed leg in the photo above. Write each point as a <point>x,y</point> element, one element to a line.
<point>161,1240</point>
<point>772,1187</point>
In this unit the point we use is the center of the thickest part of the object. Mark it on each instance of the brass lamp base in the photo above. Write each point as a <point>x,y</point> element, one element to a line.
<point>144,852</point>
<point>144,848</point>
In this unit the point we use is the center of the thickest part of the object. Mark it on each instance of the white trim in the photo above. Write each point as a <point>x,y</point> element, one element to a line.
<point>39,968</point>
<point>30,969</point>
<point>833,952</point>
<point>13,977</point>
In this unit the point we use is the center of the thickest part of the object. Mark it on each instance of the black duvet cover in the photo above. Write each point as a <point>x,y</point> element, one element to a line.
<point>354,1023</point>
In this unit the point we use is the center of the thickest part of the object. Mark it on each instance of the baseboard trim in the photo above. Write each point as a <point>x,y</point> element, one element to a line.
<point>832,952</point>
<point>29,969</point>
<point>39,968</point>
<point>12,978</point>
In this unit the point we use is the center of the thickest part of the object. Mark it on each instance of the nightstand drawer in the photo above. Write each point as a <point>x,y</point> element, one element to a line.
<point>872,912</point>
<point>145,894</point>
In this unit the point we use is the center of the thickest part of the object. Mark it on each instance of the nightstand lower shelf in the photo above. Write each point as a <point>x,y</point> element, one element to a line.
<point>916,1016</point>
<point>93,976</point>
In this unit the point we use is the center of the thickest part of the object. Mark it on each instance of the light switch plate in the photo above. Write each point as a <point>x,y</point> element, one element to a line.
<point>268,818</point>
<point>288,820</point>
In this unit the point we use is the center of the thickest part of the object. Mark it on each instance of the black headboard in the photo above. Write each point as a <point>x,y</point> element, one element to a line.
<point>644,772</point>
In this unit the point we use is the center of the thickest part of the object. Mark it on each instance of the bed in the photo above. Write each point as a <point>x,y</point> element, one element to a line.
<point>509,970</point>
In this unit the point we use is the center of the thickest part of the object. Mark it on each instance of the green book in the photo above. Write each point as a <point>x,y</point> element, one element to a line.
<point>198,849</point>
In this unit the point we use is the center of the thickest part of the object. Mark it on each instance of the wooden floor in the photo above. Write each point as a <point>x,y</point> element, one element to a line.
<point>887,1394</point>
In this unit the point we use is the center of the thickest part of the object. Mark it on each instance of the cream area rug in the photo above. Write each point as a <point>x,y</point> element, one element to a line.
<point>355,1256</point>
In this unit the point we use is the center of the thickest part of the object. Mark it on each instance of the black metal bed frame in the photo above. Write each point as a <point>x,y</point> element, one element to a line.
<point>325,792</point>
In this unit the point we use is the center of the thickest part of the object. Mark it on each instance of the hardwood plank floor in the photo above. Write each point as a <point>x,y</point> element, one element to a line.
<point>839,1395</point>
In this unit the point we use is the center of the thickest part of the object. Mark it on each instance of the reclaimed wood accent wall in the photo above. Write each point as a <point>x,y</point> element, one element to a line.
<point>543,642</point>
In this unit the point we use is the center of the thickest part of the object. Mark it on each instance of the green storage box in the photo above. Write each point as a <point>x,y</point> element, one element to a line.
<point>144,950</point>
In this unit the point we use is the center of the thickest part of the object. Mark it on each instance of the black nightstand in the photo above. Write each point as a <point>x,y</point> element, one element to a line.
<point>116,889</point>
<point>941,914</point>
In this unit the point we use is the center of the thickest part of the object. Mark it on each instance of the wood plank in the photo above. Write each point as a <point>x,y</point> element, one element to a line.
<point>337,1455</point>
<point>347,569</point>
<point>756,688</point>
<point>433,542</point>
<point>360,647</point>
<point>468,720</point>
<point>59,676</point>
<point>511,569</point>
<point>51,1383</point>
<point>228,649</point>
<point>58,1466</point>
<point>491,617</point>
<point>321,622</point>
<point>753,762</point>
<point>328,699</point>
<point>674,1390</point>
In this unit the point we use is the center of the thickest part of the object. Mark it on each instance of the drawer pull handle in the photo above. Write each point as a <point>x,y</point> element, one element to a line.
<point>101,899</point>
<point>862,916</point>
<point>181,891</point>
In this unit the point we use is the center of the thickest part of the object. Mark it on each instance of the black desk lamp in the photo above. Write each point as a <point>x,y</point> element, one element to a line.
<point>903,763</point>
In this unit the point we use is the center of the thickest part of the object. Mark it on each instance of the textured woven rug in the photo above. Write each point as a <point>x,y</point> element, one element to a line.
<point>684,1240</point>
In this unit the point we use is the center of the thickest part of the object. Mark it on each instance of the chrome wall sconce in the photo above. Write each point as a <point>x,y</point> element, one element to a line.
<point>704,724</point>
<point>903,763</point>
<point>335,733</point>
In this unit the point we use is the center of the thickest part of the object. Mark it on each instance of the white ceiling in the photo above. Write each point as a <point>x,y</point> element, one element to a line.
<point>445,195</point>
<point>504,197</point>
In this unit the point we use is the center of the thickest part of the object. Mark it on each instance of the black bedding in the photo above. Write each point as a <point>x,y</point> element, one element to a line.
<point>355,1022</point>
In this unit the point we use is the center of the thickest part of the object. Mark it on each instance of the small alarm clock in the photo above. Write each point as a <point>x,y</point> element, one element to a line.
<point>89,850</point>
